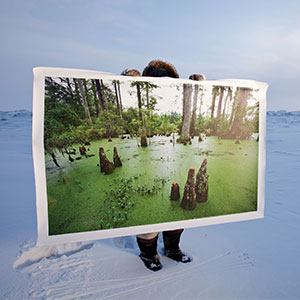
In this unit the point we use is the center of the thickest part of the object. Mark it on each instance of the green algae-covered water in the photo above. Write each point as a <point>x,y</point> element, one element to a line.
<point>80,198</point>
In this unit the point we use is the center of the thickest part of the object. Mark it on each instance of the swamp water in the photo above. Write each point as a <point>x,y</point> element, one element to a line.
<point>80,198</point>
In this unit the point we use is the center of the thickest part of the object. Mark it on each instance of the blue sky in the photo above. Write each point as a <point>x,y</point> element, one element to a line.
<point>222,39</point>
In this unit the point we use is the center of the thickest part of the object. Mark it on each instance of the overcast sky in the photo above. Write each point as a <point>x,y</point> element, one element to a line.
<point>222,39</point>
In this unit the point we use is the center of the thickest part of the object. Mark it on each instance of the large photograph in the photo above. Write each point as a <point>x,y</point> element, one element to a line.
<point>127,152</point>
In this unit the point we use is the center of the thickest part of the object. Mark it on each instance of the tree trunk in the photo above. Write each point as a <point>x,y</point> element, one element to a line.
<point>144,141</point>
<point>200,114</point>
<point>196,92</point>
<point>188,201</point>
<point>120,99</point>
<point>70,88</point>
<point>86,92</point>
<point>142,119</point>
<point>100,94</point>
<point>77,92</point>
<point>187,99</point>
<point>147,97</point>
<point>139,96</point>
<point>215,93</point>
<point>220,102</point>
<point>234,107</point>
<point>117,96</point>
<point>201,187</point>
<point>243,94</point>
<point>148,112</point>
<point>95,98</point>
<point>228,96</point>
<point>84,101</point>
<point>230,99</point>
<point>200,104</point>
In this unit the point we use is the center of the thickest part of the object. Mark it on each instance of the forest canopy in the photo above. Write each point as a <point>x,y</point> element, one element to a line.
<point>81,110</point>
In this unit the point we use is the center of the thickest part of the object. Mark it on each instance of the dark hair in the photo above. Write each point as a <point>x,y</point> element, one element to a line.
<point>197,77</point>
<point>159,68</point>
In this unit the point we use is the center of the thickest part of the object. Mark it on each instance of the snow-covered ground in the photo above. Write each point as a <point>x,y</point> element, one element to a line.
<point>253,259</point>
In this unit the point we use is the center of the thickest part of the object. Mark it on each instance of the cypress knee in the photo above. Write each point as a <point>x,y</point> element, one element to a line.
<point>82,150</point>
<point>175,194</point>
<point>109,167</point>
<point>106,166</point>
<point>117,160</point>
<point>188,201</point>
<point>144,141</point>
<point>201,187</point>
<point>102,157</point>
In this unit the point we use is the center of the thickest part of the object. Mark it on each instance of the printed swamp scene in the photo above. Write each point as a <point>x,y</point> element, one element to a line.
<point>129,152</point>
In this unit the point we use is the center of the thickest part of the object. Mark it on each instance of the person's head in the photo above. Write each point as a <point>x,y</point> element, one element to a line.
<point>131,72</point>
<point>197,77</point>
<point>159,68</point>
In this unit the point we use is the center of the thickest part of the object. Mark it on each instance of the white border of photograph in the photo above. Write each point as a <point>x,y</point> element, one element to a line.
<point>39,158</point>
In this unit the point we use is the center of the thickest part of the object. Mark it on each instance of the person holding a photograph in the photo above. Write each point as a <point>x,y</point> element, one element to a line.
<point>148,242</point>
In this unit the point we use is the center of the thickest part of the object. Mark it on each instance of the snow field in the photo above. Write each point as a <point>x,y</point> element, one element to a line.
<point>255,259</point>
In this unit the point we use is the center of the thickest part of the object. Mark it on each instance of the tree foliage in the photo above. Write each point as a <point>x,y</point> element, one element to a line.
<point>80,110</point>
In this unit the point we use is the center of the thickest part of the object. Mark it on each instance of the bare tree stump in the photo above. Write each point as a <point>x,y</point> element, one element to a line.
<point>106,166</point>
<point>102,157</point>
<point>144,141</point>
<point>175,193</point>
<point>188,201</point>
<point>200,138</point>
<point>82,150</point>
<point>117,160</point>
<point>109,168</point>
<point>201,187</point>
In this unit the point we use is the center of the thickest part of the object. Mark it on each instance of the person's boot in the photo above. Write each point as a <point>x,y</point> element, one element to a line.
<point>149,254</point>
<point>172,250</point>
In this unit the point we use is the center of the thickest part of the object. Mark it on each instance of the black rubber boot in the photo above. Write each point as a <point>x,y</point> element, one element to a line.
<point>172,250</point>
<point>149,254</point>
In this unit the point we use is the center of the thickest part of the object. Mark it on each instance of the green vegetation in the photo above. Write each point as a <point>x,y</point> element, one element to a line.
<point>82,115</point>
<point>80,198</point>
<point>80,110</point>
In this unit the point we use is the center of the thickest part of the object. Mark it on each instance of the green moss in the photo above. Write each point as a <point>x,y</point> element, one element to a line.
<point>80,198</point>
